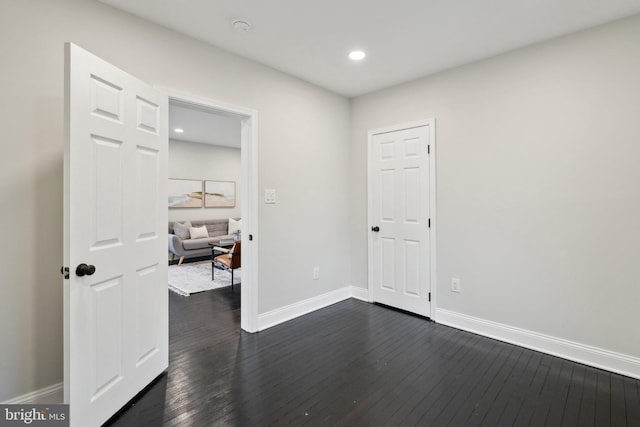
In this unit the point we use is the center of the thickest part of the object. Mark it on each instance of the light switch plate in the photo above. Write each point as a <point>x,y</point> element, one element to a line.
<point>270,197</point>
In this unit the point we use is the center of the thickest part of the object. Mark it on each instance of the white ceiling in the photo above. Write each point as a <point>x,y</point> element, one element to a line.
<point>404,39</point>
<point>203,126</point>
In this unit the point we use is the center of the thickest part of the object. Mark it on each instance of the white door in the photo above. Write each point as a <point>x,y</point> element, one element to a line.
<point>115,307</point>
<point>399,218</point>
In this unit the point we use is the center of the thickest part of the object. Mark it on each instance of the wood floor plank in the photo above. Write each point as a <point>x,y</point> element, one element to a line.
<point>588,405</point>
<point>359,364</point>
<point>390,387</point>
<point>395,367</point>
<point>560,394</point>
<point>470,414</point>
<point>323,374</point>
<point>420,395</point>
<point>632,397</point>
<point>530,388</point>
<point>574,397</point>
<point>344,391</point>
<point>496,398</point>
<point>603,400</point>
<point>451,396</point>
<point>520,389</point>
<point>545,399</point>
<point>618,403</point>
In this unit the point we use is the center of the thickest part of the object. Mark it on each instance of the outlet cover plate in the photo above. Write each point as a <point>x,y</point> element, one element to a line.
<point>270,197</point>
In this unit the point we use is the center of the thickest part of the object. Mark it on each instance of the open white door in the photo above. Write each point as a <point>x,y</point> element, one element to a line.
<point>400,212</point>
<point>116,317</point>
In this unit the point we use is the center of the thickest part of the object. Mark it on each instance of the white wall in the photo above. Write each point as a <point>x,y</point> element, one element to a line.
<point>538,191</point>
<point>303,153</point>
<point>192,160</point>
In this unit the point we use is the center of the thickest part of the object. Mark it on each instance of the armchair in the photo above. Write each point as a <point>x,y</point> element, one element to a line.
<point>230,261</point>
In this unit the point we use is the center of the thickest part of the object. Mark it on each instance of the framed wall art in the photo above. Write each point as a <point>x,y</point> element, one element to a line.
<point>219,194</point>
<point>185,193</point>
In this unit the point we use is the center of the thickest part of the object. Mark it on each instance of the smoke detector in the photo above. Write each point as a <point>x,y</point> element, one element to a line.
<point>241,25</point>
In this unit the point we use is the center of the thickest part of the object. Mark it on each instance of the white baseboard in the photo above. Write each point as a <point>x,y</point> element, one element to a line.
<point>360,293</point>
<point>585,354</point>
<point>52,394</point>
<point>280,315</point>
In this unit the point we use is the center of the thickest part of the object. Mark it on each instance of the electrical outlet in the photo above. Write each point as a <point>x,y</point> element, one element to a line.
<point>316,273</point>
<point>455,285</point>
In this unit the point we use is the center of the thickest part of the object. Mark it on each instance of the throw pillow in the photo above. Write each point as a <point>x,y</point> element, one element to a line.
<point>199,232</point>
<point>181,229</point>
<point>234,226</point>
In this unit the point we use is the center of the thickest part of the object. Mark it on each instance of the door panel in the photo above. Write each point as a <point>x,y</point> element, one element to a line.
<point>106,326</point>
<point>116,319</point>
<point>412,267</point>
<point>147,335</point>
<point>387,192</point>
<point>399,257</point>
<point>106,166</point>
<point>413,197</point>
<point>146,193</point>
<point>388,263</point>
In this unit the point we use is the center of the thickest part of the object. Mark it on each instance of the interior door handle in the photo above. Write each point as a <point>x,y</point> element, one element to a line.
<point>375,229</point>
<point>85,270</point>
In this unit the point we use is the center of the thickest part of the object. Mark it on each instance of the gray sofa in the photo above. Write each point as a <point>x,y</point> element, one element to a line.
<point>189,248</point>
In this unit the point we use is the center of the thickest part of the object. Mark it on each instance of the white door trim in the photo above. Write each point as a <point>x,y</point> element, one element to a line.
<point>249,208</point>
<point>431,123</point>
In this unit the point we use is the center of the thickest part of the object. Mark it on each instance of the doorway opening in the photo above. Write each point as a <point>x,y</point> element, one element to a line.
<point>237,127</point>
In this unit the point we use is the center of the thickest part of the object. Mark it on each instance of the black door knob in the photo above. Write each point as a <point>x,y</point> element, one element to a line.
<point>375,229</point>
<point>85,270</point>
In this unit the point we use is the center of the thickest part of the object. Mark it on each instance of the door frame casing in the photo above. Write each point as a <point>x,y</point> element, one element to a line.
<point>249,197</point>
<point>430,123</point>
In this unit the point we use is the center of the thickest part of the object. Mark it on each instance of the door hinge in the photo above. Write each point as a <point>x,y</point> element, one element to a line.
<point>429,296</point>
<point>429,223</point>
<point>428,149</point>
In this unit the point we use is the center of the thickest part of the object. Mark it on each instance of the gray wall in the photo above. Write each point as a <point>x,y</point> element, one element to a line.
<point>192,160</point>
<point>303,153</point>
<point>538,184</point>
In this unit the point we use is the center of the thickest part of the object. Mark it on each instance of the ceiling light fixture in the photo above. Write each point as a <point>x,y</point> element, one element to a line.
<point>241,25</point>
<point>178,130</point>
<point>357,55</point>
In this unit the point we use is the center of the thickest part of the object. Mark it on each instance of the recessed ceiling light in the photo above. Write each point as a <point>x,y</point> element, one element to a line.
<point>178,130</point>
<point>357,55</point>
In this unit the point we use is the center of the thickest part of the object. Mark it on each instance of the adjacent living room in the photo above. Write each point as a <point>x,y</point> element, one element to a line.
<point>204,170</point>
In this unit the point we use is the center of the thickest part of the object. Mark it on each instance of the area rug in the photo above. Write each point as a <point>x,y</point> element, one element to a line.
<point>191,278</point>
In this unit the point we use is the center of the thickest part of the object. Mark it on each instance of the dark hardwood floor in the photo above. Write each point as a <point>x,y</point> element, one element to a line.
<point>359,364</point>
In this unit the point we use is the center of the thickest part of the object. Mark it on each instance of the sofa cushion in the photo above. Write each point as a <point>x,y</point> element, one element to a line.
<point>181,229</point>
<point>191,244</point>
<point>234,226</point>
<point>215,227</point>
<point>199,232</point>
